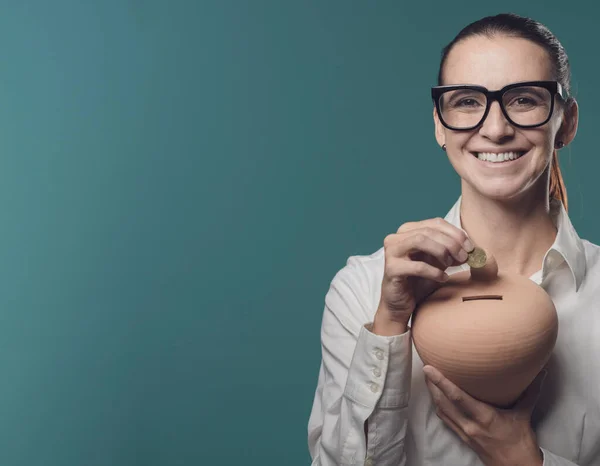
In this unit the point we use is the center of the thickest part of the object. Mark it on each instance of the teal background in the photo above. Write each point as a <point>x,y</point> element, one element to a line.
<point>179,183</point>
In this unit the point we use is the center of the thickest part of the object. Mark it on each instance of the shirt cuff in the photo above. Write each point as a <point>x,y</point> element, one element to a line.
<point>380,371</point>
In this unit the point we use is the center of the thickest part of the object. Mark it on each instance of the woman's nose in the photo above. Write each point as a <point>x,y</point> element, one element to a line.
<point>496,127</point>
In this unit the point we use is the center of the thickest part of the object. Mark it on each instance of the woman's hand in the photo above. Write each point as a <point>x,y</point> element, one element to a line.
<point>416,258</point>
<point>500,437</point>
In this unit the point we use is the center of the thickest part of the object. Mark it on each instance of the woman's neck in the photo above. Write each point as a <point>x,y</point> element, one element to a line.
<point>518,232</point>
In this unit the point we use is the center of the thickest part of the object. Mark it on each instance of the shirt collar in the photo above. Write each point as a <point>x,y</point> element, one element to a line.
<point>567,242</point>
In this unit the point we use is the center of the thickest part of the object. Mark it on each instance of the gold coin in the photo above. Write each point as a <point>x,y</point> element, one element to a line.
<point>477,258</point>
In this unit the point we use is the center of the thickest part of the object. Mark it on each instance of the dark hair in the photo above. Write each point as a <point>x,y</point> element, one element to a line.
<point>512,25</point>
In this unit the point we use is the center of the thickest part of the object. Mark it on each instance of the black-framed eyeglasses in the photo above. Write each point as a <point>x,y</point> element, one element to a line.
<point>525,105</point>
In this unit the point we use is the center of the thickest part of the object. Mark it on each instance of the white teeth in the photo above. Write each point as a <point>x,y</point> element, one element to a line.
<point>491,157</point>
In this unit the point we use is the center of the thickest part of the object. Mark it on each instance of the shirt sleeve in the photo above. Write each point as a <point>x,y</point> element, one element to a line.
<point>550,459</point>
<point>362,376</point>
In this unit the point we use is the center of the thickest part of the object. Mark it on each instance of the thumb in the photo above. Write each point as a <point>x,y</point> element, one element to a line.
<point>531,394</point>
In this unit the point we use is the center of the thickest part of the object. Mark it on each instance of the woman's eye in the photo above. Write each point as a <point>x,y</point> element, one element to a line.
<point>525,101</point>
<point>467,103</point>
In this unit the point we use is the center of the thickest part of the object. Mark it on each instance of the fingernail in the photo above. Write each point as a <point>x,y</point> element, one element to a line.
<point>468,245</point>
<point>462,255</point>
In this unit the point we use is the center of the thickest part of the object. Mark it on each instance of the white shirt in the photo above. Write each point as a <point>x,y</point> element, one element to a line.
<point>363,375</point>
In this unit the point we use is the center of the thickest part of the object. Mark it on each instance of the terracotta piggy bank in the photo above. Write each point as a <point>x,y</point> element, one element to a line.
<point>488,332</point>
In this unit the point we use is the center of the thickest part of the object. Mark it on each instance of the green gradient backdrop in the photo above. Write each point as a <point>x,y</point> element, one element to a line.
<point>179,183</point>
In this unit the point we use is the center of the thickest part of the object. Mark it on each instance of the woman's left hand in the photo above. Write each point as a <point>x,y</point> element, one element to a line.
<point>498,436</point>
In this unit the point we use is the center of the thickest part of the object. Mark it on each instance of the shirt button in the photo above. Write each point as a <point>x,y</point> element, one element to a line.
<point>374,387</point>
<point>369,462</point>
<point>377,372</point>
<point>379,354</point>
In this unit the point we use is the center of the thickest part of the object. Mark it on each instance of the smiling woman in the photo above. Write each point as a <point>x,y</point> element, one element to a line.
<point>530,69</point>
<point>502,109</point>
<point>544,55</point>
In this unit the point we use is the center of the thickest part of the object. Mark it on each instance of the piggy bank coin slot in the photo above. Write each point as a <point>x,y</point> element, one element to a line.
<point>483,296</point>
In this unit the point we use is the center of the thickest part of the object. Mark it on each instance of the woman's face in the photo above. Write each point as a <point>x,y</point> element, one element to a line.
<point>494,63</point>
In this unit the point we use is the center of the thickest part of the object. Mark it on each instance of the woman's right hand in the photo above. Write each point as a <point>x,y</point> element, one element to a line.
<point>416,258</point>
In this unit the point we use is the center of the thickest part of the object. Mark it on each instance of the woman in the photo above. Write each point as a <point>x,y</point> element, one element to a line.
<point>375,403</point>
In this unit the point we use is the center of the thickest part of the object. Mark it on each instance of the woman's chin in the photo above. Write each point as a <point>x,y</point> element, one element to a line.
<point>499,191</point>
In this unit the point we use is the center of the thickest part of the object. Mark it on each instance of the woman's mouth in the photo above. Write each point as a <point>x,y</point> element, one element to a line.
<point>502,157</point>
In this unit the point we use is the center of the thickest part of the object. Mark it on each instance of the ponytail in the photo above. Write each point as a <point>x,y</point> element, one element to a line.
<point>557,184</point>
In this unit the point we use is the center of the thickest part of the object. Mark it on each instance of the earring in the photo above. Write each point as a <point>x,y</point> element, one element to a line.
<point>444,147</point>
<point>560,144</point>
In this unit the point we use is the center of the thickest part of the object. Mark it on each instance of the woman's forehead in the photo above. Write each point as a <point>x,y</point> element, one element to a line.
<point>496,61</point>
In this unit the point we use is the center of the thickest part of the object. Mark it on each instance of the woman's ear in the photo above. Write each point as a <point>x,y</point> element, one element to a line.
<point>568,128</point>
<point>440,136</point>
